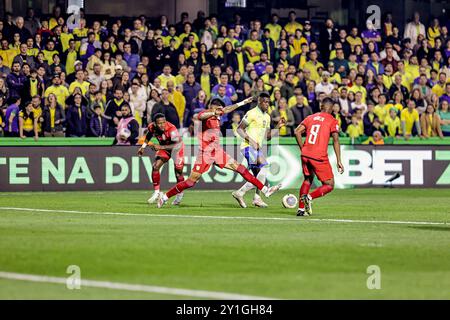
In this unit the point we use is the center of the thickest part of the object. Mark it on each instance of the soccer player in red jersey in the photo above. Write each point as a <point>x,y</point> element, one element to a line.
<point>211,152</point>
<point>314,153</point>
<point>170,144</point>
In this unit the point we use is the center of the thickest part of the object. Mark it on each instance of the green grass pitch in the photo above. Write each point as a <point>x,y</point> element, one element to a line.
<point>289,258</point>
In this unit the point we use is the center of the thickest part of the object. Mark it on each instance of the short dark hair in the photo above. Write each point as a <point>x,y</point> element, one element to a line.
<point>327,100</point>
<point>217,102</point>
<point>158,116</point>
<point>264,95</point>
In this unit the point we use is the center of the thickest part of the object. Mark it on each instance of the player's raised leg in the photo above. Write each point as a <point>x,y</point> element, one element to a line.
<point>180,178</point>
<point>179,188</point>
<point>232,164</point>
<point>258,166</point>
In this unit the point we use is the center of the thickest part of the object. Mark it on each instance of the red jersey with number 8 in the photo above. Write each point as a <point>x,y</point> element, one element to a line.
<point>319,127</point>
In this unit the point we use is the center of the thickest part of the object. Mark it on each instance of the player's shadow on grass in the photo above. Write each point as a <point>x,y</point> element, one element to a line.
<point>431,228</point>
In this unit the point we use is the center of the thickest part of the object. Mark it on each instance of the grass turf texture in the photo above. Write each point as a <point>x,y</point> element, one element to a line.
<point>281,259</point>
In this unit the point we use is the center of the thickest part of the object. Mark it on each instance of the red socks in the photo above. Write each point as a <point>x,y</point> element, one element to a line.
<point>249,177</point>
<point>180,187</point>
<point>304,189</point>
<point>180,178</point>
<point>321,191</point>
<point>156,178</point>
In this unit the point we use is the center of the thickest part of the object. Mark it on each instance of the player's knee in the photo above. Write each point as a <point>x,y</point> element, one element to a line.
<point>194,176</point>
<point>156,166</point>
<point>329,183</point>
<point>190,183</point>
<point>309,179</point>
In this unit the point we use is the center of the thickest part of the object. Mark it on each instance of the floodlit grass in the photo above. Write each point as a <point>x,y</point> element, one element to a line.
<point>294,258</point>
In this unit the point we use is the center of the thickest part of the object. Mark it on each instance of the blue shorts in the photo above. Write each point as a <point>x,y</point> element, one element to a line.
<point>252,155</point>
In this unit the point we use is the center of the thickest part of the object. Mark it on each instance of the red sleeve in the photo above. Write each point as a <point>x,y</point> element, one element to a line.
<point>151,127</point>
<point>305,122</point>
<point>334,126</point>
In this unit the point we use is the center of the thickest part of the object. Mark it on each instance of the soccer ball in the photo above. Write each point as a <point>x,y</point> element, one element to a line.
<point>124,133</point>
<point>289,201</point>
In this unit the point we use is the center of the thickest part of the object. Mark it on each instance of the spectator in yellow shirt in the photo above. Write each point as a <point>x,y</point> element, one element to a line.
<point>177,98</point>
<point>354,129</point>
<point>275,28</point>
<point>434,31</point>
<point>380,109</point>
<point>358,87</point>
<point>354,39</point>
<point>79,83</point>
<point>58,90</point>
<point>49,52</point>
<point>253,47</point>
<point>7,54</point>
<point>392,125</point>
<point>292,25</point>
<point>166,76</point>
<point>439,87</point>
<point>410,119</point>
<point>313,65</point>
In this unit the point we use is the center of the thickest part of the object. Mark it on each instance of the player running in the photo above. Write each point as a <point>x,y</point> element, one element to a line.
<point>254,129</point>
<point>210,152</point>
<point>314,154</point>
<point>170,143</point>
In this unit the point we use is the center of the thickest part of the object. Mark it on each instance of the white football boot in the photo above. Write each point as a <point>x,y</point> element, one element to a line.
<point>154,197</point>
<point>178,199</point>
<point>258,202</point>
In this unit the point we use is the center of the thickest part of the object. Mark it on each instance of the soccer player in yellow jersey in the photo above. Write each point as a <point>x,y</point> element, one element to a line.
<point>254,129</point>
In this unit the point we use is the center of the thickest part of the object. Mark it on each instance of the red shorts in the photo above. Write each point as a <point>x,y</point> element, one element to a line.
<point>321,168</point>
<point>205,159</point>
<point>178,158</point>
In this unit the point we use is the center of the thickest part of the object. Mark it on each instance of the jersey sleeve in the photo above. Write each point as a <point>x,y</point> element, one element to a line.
<point>248,118</point>
<point>334,126</point>
<point>174,135</point>
<point>305,122</point>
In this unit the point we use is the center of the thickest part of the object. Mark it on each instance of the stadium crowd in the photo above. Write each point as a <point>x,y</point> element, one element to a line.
<point>59,79</point>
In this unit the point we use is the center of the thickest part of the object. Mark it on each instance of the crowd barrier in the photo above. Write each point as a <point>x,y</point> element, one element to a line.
<point>93,164</point>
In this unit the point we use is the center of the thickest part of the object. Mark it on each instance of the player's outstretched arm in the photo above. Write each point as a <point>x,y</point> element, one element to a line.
<point>148,137</point>
<point>208,114</point>
<point>237,105</point>
<point>337,151</point>
<point>298,135</point>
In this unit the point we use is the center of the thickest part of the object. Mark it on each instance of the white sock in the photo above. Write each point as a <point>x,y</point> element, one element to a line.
<point>261,177</point>
<point>249,186</point>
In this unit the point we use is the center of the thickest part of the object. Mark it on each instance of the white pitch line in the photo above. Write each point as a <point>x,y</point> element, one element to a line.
<point>226,217</point>
<point>133,287</point>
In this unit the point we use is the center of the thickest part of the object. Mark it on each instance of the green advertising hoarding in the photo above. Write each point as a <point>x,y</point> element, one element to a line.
<point>119,168</point>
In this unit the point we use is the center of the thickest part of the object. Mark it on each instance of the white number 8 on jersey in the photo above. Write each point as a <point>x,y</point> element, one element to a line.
<point>312,138</point>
